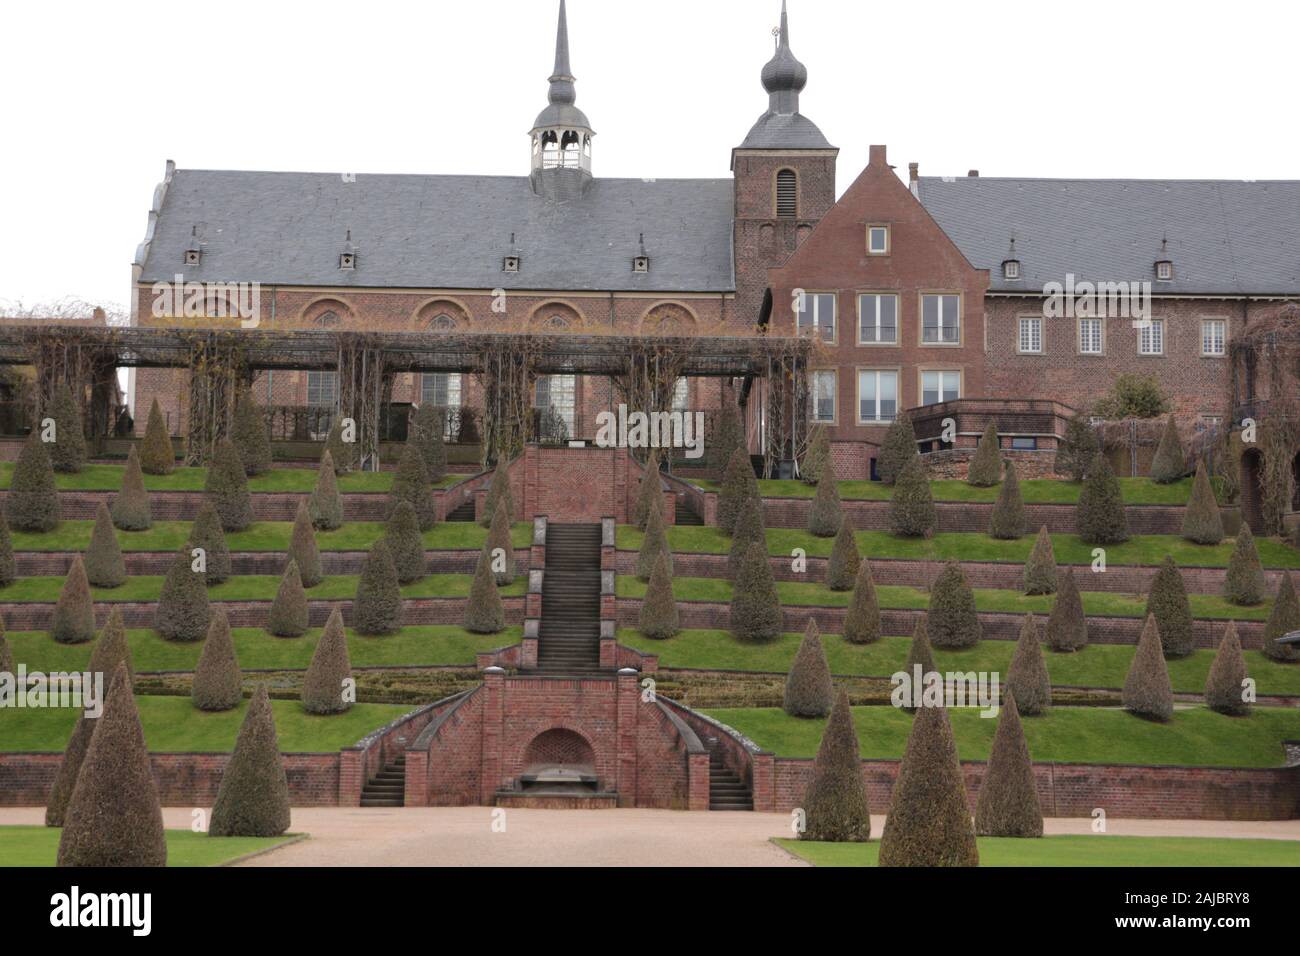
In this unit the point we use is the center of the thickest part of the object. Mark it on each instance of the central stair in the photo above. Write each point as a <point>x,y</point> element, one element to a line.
<point>388,788</point>
<point>726,790</point>
<point>568,641</point>
<point>464,513</point>
<point>685,516</point>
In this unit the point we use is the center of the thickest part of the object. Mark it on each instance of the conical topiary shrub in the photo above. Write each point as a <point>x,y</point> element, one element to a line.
<point>227,487</point>
<point>131,505</point>
<point>1147,691</point>
<point>1008,799</point>
<point>484,613</point>
<point>68,450</point>
<point>842,569</point>
<point>897,449</point>
<point>343,454</point>
<point>405,544</point>
<point>112,648</point>
<point>104,565</point>
<point>755,607</point>
<point>183,610</point>
<point>929,821</point>
<point>377,608</point>
<point>953,621</point>
<point>325,506</point>
<point>411,483</point>
<point>658,618</point>
<point>727,435</point>
<point>7,665</point>
<point>1245,583</point>
<point>114,817</point>
<point>249,434</point>
<point>809,691</point>
<point>654,545</point>
<point>498,491</point>
<point>738,486</point>
<point>817,457</point>
<point>835,804</point>
<point>826,514</point>
<point>1170,463</point>
<point>650,496</point>
<point>157,456</point>
<point>1007,522</point>
<point>218,682</point>
<point>33,501</point>
<point>1167,602</point>
<point>502,548</point>
<point>303,549</point>
<point>74,614</point>
<point>1100,517</point>
<point>206,534</point>
<point>1077,448</point>
<point>1224,693</point>
<point>986,464</point>
<point>253,799</point>
<point>1040,569</point>
<point>325,689</point>
<point>862,619</point>
<point>8,566</point>
<point>1282,620</point>
<point>911,511</point>
<point>288,617</point>
<point>427,432</point>
<point>1202,521</point>
<point>1067,627</point>
<point>1027,678</point>
<point>920,655</point>
<point>749,530</point>
<point>65,779</point>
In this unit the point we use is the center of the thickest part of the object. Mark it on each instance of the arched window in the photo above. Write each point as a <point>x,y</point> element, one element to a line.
<point>556,323</point>
<point>442,322</point>
<point>327,320</point>
<point>787,194</point>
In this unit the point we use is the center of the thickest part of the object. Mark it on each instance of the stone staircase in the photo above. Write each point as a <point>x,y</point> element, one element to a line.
<point>388,787</point>
<point>464,513</point>
<point>687,516</point>
<point>726,790</point>
<point>569,638</point>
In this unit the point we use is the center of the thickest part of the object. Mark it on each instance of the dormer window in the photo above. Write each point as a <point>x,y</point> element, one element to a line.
<point>1165,270</point>
<point>510,264</point>
<point>348,260</point>
<point>1011,269</point>
<point>878,240</point>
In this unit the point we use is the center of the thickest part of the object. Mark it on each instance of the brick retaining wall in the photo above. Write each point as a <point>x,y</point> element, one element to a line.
<point>56,563</point>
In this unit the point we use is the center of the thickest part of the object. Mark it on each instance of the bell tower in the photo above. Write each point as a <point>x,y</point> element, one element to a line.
<point>561,135</point>
<point>784,174</point>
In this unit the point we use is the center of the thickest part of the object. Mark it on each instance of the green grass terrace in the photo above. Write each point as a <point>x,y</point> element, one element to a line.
<point>39,846</point>
<point>96,477</point>
<point>1034,491</point>
<point>1196,737</point>
<point>881,545</point>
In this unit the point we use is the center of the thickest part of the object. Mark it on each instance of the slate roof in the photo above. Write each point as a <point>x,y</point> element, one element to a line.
<point>1224,237</point>
<point>444,232</point>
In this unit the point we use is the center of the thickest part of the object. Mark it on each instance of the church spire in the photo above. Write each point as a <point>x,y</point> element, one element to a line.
<point>562,90</point>
<point>784,77</point>
<point>561,133</point>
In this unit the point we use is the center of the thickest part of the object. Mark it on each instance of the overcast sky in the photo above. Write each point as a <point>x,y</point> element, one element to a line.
<point>99,95</point>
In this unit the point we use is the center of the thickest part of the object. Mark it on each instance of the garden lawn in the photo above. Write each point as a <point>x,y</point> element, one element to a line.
<point>1098,665</point>
<point>39,846</point>
<point>1034,491</point>
<point>278,480</point>
<point>418,646</point>
<point>1087,735</point>
<point>1094,850</point>
<point>249,587</point>
<point>897,597</point>
<point>881,545</point>
<point>174,725</point>
<point>265,536</point>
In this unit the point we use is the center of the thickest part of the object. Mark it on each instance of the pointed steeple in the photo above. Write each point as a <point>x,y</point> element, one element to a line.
<point>561,134</point>
<point>563,94</point>
<point>784,77</point>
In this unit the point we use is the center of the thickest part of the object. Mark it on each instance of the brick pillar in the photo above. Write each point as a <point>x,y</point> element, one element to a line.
<point>494,713</point>
<point>764,782</point>
<point>352,776</point>
<point>628,701</point>
<point>697,781</point>
<point>710,515</point>
<point>670,508</point>
<point>416,786</point>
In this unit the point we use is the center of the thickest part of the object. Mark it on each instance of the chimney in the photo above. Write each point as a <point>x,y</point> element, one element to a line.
<point>913,172</point>
<point>974,174</point>
<point>877,156</point>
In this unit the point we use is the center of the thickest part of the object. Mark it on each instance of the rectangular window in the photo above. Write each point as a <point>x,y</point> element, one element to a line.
<point>1031,334</point>
<point>322,389</point>
<point>940,319</point>
<point>939,387</point>
<point>817,314</point>
<point>1151,338</point>
<point>1024,444</point>
<point>1214,337</point>
<point>439,389</point>
<point>556,392</point>
<point>877,319</point>
<point>681,395</point>
<point>1090,336</point>
<point>823,397</point>
<point>878,240</point>
<point>877,396</point>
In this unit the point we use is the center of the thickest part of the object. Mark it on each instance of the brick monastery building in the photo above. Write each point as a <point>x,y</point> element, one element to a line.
<point>922,292</point>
